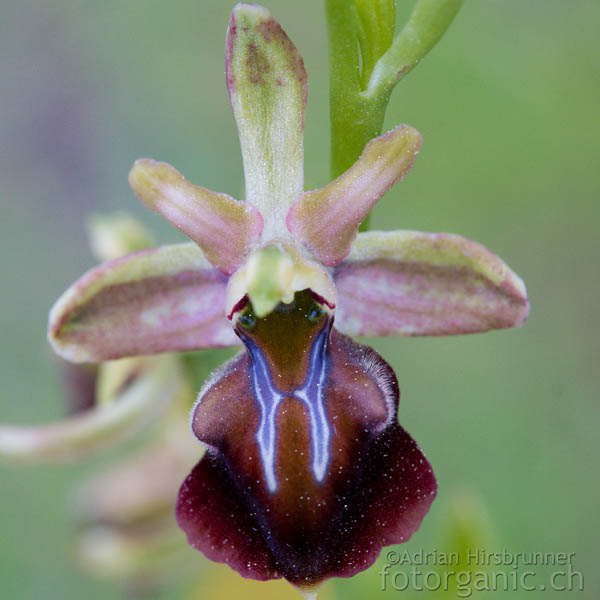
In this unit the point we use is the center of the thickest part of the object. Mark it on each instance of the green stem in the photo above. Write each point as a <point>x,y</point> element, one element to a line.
<point>354,119</point>
<point>357,110</point>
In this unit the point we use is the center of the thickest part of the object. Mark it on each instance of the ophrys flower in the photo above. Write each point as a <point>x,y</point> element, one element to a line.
<point>307,474</point>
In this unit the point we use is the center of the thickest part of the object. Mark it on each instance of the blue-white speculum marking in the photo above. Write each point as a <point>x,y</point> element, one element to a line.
<point>306,326</point>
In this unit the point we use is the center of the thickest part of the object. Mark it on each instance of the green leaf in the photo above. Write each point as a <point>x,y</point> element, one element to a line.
<point>427,24</point>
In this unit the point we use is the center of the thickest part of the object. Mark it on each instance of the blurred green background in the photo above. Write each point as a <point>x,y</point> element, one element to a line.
<point>508,107</point>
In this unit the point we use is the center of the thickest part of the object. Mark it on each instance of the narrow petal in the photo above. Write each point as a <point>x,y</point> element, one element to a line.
<point>308,474</point>
<point>326,220</point>
<point>156,300</point>
<point>224,228</point>
<point>413,283</point>
<point>268,90</point>
<point>142,398</point>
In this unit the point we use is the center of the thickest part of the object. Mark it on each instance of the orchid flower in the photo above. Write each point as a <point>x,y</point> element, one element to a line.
<point>307,473</point>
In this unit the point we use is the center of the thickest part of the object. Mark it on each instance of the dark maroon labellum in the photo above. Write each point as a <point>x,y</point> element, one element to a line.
<point>308,474</point>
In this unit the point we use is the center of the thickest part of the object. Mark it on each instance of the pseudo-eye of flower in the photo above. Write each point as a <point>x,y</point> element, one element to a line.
<point>307,473</point>
<point>247,319</point>
<point>315,312</point>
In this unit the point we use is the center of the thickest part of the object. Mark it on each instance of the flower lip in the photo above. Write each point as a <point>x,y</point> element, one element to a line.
<point>304,452</point>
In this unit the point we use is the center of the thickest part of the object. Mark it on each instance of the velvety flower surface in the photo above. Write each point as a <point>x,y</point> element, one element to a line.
<point>306,454</point>
<point>307,473</point>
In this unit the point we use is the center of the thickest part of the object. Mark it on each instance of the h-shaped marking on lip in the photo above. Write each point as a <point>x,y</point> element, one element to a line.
<point>311,393</point>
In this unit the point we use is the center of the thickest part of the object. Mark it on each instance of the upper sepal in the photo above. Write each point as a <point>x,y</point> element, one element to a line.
<point>157,300</point>
<point>414,283</point>
<point>326,220</point>
<point>268,90</point>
